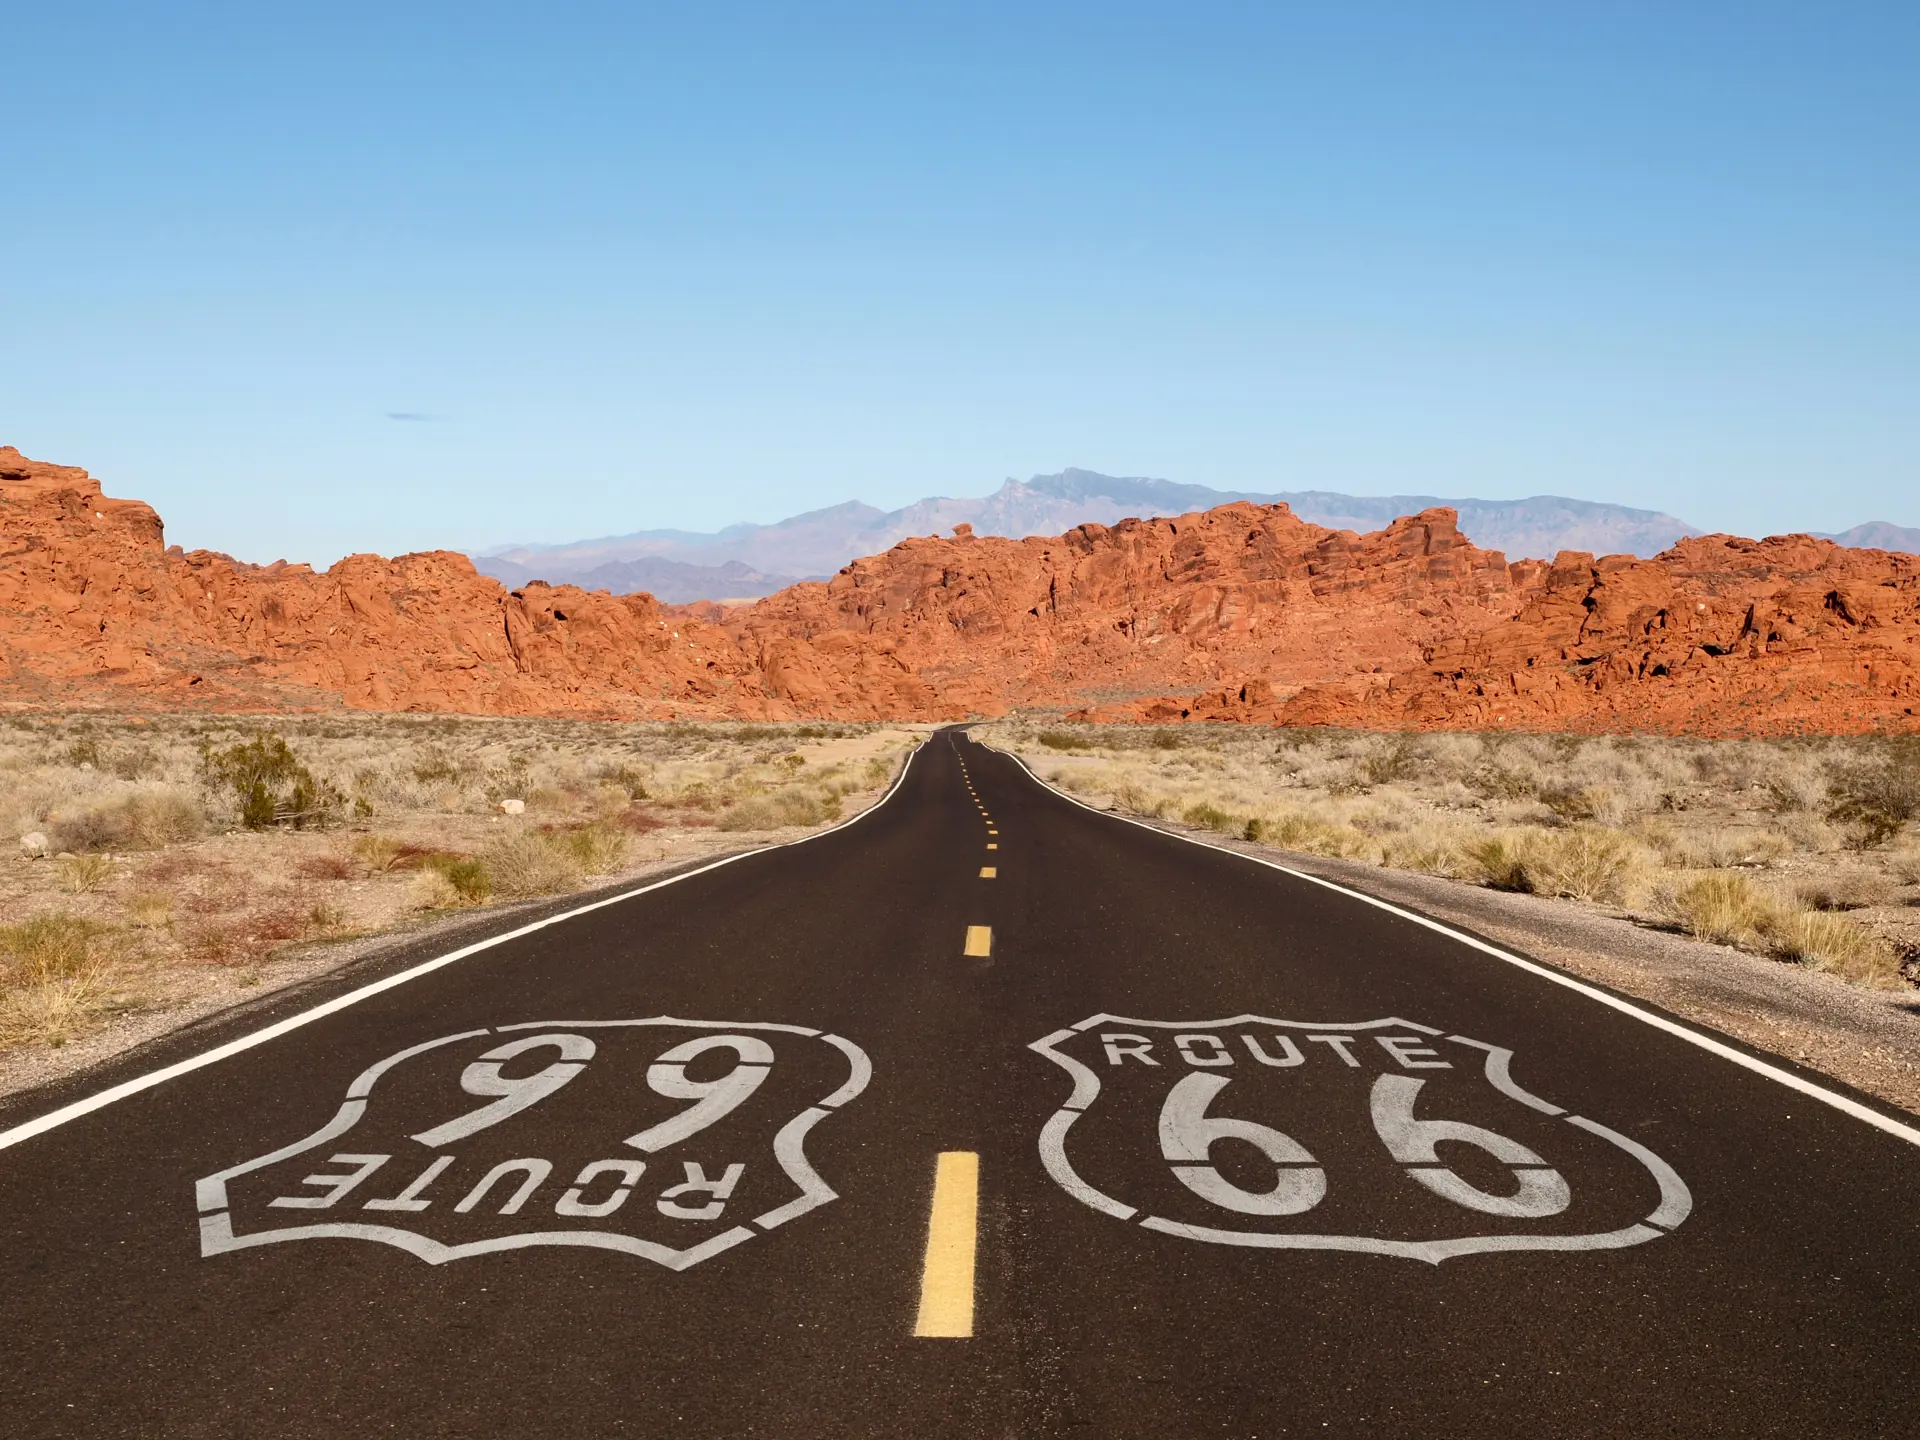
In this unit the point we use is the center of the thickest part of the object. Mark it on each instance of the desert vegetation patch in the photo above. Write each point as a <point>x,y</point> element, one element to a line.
<point>1803,850</point>
<point>163,859</point>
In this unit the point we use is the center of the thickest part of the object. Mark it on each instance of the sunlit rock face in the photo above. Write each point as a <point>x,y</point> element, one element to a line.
<point>1243,612</point>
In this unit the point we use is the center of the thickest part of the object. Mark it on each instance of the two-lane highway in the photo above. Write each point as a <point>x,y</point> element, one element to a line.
<point>981,1116</point>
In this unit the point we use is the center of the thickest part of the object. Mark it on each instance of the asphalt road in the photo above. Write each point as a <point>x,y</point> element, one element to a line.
<point>1285,1163</point>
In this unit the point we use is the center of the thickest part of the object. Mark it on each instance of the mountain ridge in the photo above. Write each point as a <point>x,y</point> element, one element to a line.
<point>817,543</point>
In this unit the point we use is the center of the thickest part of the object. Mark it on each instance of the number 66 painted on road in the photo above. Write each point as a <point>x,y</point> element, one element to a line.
<point>1188,1133</point>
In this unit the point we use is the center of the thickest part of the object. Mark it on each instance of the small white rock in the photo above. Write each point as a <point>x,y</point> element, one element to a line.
<point>513,807</point>
<point>34,845</point>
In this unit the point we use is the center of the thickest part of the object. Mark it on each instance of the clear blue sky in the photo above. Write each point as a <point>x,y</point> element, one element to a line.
<point>678,265</point>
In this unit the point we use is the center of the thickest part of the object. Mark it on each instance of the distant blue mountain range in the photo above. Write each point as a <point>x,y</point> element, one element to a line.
<point>746,561</point>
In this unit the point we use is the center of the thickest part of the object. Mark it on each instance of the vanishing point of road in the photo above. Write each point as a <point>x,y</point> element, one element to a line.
<point>981,1115</point>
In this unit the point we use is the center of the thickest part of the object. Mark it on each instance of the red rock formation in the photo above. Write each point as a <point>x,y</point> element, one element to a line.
<point>97,610</point>
<point>1240,613</point>
<point>1716,636</point>
<point>1109,613</point>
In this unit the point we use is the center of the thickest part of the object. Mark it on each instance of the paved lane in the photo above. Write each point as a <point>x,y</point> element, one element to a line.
<point>1285,1163</point>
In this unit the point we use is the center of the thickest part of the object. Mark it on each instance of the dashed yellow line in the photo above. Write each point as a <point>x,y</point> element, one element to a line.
<point>979,940</point>
<point>989,872</point>
<point>993,845</point>
<point>946,1275</point>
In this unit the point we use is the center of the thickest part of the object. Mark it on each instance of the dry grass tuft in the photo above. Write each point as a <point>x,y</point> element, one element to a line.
<point>468,877</point>
<point>526,862</point>
<point>1588,862</point>
<point>56,973</point>
<point>432,890</point>
<point>1905,864</point>
<point>1849,889</point>
<point>1729,909</point>
<point>150,909</point>
<point>598,849</point>
<point>83,874</point>
<point>378,853</point>
<point>1840,946</point>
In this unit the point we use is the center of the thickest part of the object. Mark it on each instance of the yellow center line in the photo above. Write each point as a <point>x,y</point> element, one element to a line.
<point>989,872</point>
<point>979,940</point>
<point>946,1277</point>
<point>993,845</point>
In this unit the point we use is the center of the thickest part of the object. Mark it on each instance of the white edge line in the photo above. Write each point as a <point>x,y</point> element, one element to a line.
<point>1787,1078</point>
<point>53,1119</point>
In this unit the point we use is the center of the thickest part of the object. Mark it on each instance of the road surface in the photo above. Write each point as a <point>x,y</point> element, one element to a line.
<point>984,1115</point>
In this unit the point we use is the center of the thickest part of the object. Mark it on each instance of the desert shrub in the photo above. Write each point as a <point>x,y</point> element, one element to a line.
<point>54,978</point>
<point>162,816</point>
<point>793,806</point>
<point>1730,909</point>
<point>1796,785</point>
<point>1587,862</point>
<point>326,918</point>
<point>1602,804</point>
<point>1136,798</point>
<point>624,777</point>
<point>1501,861</point>
<point>466,875</point>
<point>1211,817</point>
<point>756,812</point>
<point>150,909</point>
<point>52,947</point>
<point>1064,740</point>
<point>1833,943</point>
<point>1583,862</point>
<point>598,849</point>
<point>379,852</point>
<point>1432,850</point>
<point>526,862</point>
<point>432,890</point>
<point>1855,889</point>
<point>52,1012</point>
<point>92,827</point>
<point>269,786</point>
<point>437,765</point>
<point>1872,801</point>
<point>1390,761</point>
<point>83,874</point>
<point>1715,849</point>
<point>281,916</point>
<point>1906,864</point>
<point>637,820</point>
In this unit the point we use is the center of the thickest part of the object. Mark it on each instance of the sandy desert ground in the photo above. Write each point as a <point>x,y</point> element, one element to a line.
<point>144,891</point>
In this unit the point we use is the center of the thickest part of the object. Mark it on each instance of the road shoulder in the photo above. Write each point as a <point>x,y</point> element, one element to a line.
<point>1866,1039</point>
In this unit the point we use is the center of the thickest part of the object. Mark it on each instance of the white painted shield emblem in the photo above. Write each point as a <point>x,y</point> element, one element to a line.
<point>668,1139</point>
<point>1380,1136</point>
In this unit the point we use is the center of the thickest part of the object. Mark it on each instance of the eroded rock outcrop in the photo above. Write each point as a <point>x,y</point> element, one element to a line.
<point>1718,635</point>
<point>1241,613</point>
<point>97,610</point>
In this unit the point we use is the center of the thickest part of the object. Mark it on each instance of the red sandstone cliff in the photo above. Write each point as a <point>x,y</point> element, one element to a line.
<point>1718,635</point>
<point>95,609</point>
<point>1243,612</point>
